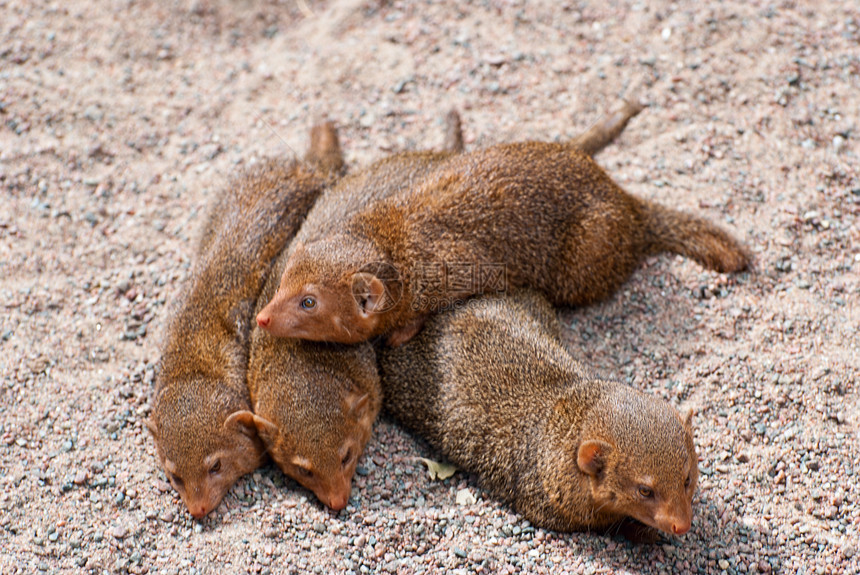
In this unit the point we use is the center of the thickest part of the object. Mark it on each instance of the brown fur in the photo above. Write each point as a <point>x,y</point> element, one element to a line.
<point>204,441</point>
<point>546,212</point>
<point>492,387</point>
<point>315,403</point>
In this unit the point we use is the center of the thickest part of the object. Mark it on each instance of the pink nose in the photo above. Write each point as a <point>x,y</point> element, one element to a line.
<point>338,502</point>
<point>199,511</point>
<point>263,321</point>
<point>680,529</point>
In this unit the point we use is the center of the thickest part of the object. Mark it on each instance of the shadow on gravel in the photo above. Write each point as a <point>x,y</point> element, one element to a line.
<point>645,333</point>
<point>717,542</point>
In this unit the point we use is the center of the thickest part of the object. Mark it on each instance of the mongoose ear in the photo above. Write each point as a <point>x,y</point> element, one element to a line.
<point>403,334</point>
<point>153,429</point>
<point>243,422</point>
<point>591,457</point>
<point>358,404</point>
<point>688,420</point>
<point>267,430</point>
<point>369,292</point>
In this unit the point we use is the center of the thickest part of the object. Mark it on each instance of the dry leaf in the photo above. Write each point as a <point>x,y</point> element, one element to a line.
<point>438,470</point>
<point>465,497</point>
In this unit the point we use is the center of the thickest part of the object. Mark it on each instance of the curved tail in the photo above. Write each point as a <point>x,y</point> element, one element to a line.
<point>605,130</point>
<point>693,237</point>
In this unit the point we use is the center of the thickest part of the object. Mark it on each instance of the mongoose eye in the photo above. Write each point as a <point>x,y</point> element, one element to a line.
<point>177,481</point>
<point>646,492</point>
<point>687,482</point>
<point>305,472</point>
<point>309,303</point>
<point>215,468</point>
<point>346,458</point>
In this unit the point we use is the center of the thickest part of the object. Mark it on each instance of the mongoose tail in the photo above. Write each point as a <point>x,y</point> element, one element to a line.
<point>324,153</point>
<point>672,231</point>
<point>693,237</point>
<point>453,132</point>
<point>607,129</point>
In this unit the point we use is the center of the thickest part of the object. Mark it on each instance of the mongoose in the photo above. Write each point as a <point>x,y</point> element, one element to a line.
<point>491,386</point>
<point>541,215</point>
<point>314,404</point>
<point>204,439</point>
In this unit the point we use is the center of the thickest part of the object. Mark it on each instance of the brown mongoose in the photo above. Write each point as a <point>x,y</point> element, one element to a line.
<point>491,386</point>
<point>314,403</point>
<point>204,439</point>
<point>541,215</point>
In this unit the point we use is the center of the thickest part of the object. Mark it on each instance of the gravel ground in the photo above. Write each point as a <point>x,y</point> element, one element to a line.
<point>121,119</point>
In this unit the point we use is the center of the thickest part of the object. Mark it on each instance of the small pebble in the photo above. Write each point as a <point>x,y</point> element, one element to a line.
<point>838,143</point>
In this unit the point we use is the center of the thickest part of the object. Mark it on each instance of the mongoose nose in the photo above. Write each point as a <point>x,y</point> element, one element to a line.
<point>263,321</point>
<point>199,511</point>
<point>680,529</point>
<point>338,501</point>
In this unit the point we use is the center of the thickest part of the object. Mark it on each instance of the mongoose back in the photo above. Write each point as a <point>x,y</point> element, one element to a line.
<point>536,214</point>
<point>491,386</point>
<point>314,403</point>
<point>204,439</point>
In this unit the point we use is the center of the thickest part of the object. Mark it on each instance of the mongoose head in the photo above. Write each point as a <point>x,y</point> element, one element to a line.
<point>204,442</point>
<point>325,294</point>
<point>317,418</point>
<point>638,455</point>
